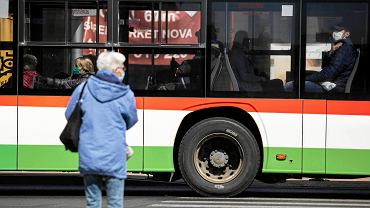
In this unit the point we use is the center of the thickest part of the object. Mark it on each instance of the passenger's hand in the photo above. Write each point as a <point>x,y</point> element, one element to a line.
<point>335,46</point>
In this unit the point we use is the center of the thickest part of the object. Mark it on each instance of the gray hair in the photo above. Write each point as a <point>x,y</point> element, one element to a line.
<point>29,62</point>
<point>109,60</point>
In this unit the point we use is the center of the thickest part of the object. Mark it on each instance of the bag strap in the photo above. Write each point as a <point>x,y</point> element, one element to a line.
<point>83,88</point>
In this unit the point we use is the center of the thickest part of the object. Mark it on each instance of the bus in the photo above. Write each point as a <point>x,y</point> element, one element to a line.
<point>199,119</point>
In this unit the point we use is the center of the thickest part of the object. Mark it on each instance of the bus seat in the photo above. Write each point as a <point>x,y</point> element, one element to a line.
<point>234,82</point>
<point>216,66</point>
<point>222,75</point>
<point>352,75</point>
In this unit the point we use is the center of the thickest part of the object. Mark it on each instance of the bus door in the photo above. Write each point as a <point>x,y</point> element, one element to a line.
<point>314,130</point>
<point>346,124</point>
<point>348,143</point>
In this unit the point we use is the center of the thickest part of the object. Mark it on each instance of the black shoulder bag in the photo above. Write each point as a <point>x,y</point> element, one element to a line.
<point>70,135</point>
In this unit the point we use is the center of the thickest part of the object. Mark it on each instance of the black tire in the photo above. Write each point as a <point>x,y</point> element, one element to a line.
<point>219,157</point>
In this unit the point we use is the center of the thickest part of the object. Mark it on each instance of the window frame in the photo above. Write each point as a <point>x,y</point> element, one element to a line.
<point>364,55</point>
<point>294,53</point>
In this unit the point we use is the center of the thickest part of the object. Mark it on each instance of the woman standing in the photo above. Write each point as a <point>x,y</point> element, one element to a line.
<point>108,109</point>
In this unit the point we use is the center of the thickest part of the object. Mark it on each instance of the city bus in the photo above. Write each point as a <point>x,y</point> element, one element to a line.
<point>210,81</point>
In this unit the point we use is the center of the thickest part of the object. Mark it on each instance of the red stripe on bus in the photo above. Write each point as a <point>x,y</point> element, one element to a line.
<point>54,101</point>
<point>43,101</point>
<point>250,105</point>
<point>8,100</point>
<point>314,106</point>
<point>349,107</point>
<point>192,104</point>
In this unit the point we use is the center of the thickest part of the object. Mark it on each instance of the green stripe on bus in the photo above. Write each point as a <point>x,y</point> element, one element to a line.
<point>348,161</point>
<point>8,157</point>
<point>313,160</point>
<point>316,160</point>
<point>46,157</point>
<point>55,157</point>
<point>292,163</point>
<point>158,159</point>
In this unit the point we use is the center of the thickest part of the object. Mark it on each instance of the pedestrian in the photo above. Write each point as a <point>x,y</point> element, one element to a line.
<point>108,110</point>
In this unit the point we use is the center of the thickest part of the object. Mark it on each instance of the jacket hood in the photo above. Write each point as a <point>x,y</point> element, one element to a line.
<point>105,86</point>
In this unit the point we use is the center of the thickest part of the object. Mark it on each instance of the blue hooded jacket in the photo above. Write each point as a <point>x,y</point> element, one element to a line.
<point>108,110</point>
<point>340,66</point>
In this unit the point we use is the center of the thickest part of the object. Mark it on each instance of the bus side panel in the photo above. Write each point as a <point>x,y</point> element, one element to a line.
<point>161,126</point>
<point>38,138</point>
<point>8,125</point>
<point>160,131</point>
<point>348,138</point>
<point>135,139</point>
<point>41,120</point>
<point>314,135</point>
<point>283,132</point>
<point>279,122</point>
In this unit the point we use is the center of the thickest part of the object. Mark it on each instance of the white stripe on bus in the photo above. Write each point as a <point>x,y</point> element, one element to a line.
<point>8,124</point>
<point>42,126</point>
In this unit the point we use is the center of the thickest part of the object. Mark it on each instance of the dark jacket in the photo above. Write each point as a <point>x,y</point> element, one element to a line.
<point>339,68</point>
<point>68,83</point>
<point>243,66</point>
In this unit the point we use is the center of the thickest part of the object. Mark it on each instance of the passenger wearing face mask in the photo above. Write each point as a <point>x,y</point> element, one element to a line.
<point>81,70</point>
<point>109,109</point>
<point>334,76</point>
<point>342,59</point>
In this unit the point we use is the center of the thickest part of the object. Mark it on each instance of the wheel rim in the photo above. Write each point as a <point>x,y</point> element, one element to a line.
<point>218,158</point>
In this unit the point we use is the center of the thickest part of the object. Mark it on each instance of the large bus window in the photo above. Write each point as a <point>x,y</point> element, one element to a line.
<point>330,60</point>
<point>44,21</point>
<point>181,23</point>
<point>136,22</point>
<point>144,23</point>
<point>88,22</point>
<point>164,71</point>
<point>6,47</point>
<point>56,68</point>
<point>251,46</point>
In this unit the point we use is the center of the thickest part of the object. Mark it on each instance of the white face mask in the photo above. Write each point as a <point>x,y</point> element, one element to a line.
<point>122,75</point>
<point>338,35</point>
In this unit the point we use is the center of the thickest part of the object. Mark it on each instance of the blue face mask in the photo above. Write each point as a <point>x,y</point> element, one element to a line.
<point>75,70</point>
<point>122,75</point>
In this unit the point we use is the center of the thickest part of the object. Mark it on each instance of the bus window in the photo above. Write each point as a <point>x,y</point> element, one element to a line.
<point>86,24</point>
<point>55,68</point>
<point>254,41</point>
<point>164,71</point>
<point>45,21</point>
<point>176,23</point>
<point>178,71</point>
<point>329,59</point>
<point>181,23</point>
<point>135,22</point>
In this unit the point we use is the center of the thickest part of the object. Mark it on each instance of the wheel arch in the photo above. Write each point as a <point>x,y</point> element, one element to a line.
<point>228,112</point>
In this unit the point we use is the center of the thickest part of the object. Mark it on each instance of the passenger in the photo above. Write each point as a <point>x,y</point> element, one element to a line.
<point>29,71</point>
<point>92,58</point>
<point>244,70</point>
<point>189,70</point>
<point>109,110</point>
<point>342,59</point>
<point>81,70</point>
<point>242,65</point>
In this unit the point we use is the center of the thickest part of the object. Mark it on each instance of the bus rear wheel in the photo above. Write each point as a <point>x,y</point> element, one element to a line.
<point>219,157</point>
